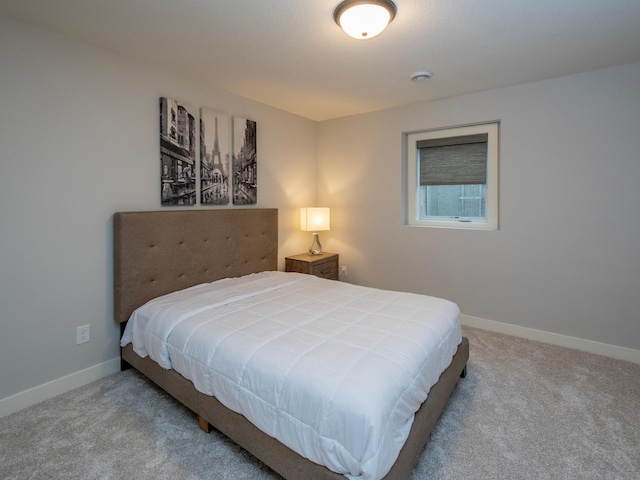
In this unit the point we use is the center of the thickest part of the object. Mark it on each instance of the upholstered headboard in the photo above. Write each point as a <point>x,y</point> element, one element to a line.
<point>163,251</point>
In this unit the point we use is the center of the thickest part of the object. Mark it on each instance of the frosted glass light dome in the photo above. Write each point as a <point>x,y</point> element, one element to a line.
<point>364,20</point>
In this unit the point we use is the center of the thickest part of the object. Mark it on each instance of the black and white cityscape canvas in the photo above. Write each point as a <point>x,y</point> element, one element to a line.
<point>244,162</point>
<point>177,153</point>
<point>215,152</point>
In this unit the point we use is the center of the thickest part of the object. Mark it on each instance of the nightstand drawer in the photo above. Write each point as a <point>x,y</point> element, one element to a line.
<point>324,265</point>
<point>326,270</point>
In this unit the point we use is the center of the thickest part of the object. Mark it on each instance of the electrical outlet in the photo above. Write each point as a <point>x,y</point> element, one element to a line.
<point>83,334</point>
<point>343,271</point>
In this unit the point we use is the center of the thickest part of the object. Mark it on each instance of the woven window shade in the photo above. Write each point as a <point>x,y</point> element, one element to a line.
<point>454,160</point>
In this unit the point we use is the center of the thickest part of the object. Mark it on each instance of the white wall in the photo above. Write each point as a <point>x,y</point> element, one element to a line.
<point>567,256</point>
<point>79,141</point>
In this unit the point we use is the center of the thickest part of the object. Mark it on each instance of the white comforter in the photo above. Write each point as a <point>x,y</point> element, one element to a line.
<point>332,370</point>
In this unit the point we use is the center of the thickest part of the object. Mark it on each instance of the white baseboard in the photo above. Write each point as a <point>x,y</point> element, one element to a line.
<point>612,351</point>
<point>56,387</point>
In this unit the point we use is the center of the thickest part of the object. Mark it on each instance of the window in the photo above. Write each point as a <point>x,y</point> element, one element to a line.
<point>452,177</point>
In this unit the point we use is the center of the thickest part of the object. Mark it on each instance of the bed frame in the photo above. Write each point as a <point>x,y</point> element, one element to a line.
<point>163,251</point>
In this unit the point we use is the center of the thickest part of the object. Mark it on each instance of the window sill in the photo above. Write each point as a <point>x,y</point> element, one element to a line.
<point>457,224</point>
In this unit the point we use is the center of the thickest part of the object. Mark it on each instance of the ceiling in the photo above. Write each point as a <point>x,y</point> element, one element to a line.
<point>290,54</point>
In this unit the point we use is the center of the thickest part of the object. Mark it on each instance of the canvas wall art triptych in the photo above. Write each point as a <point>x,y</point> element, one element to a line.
<point>224,168</point>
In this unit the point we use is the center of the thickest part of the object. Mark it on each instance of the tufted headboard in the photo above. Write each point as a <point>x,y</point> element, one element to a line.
<point>163,251</point>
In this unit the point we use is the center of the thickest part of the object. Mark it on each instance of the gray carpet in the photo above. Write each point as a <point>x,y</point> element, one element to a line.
<point>525,411</point>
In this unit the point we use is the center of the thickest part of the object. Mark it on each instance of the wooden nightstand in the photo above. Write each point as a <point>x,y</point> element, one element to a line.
<point>323,266</point>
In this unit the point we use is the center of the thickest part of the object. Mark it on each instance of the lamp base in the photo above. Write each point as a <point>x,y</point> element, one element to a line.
<point>316,247</point>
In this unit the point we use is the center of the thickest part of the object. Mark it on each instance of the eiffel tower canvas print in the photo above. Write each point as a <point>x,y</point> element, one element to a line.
<point>215,151</point>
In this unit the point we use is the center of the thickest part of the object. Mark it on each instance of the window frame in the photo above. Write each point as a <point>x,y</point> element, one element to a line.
<point>412,178</point>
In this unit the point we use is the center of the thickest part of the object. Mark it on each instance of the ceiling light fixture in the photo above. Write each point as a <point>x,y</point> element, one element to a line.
<point>364,19</point>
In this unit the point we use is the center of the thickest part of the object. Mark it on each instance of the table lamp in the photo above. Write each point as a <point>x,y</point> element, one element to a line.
<point>314,220</point>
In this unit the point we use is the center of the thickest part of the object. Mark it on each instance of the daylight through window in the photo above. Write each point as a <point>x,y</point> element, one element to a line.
<point>452,177</point>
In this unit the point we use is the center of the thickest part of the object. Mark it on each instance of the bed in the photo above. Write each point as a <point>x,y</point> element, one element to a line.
<point>157,253</point>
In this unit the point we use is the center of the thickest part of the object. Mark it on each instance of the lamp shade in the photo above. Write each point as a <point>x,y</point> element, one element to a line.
<point>315,219</point>
<point>364,19</point>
